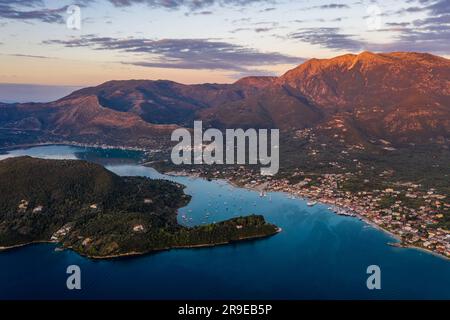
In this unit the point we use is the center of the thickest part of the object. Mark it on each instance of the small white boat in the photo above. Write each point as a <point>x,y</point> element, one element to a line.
<point>311,203</point>
<point>345,213</point>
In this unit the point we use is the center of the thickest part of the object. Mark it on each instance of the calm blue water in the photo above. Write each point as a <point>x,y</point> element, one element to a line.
<point>319,255</point>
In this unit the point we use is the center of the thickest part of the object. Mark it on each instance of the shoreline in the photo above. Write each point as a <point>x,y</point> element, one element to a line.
<point>238,185</point>
<point>194,246</point>
<point>324,202</point>
<point>399,244</point>
<point>142,253</point>
<point>72,144</point>
<point>17,246</point>
<point>358,215</point>
<point>425,250</point>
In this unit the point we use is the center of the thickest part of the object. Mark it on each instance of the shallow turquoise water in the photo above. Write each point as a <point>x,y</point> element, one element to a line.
<point>319,255</point>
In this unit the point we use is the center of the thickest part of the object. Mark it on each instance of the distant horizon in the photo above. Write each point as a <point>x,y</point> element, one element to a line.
<point>76,87</point>
<point>26,92</point>
<point>42,93</point>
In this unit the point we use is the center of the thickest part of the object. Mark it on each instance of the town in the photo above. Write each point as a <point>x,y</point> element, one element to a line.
<point>404,210</point>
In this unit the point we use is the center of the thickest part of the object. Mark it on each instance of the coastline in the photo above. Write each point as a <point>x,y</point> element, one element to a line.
<point>141,253</point>
<point>425,250</point>
<point>358,215</point>
<point>323,202</point>
<point>16,246</point>
<point>195,246</point>
<point>72,144</point>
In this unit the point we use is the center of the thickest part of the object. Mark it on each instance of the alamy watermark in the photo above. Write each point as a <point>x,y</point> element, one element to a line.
<point>73,282</point>
<point>73,20</point>
<point>239,147</point>
<point>374,280</point>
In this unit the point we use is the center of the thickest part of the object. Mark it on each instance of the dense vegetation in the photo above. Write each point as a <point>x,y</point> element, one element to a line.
<point>97,213</point>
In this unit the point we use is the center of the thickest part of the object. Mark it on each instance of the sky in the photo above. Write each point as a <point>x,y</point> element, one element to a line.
<point>198,41</point>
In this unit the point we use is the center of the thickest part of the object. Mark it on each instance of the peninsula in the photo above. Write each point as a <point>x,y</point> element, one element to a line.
<point>85,207</point>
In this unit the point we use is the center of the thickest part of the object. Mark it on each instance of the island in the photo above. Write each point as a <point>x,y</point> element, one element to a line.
<point>84,207</point>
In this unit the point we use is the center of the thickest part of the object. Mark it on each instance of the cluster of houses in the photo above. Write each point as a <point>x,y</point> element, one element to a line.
<point>415,225</point>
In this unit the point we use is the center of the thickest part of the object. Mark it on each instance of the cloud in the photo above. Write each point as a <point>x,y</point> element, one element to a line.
<point>259,27</point>
<point>239,30</point>
<point>431,38</point>
<point>428,34</point>
<point>190,4</point>
<point>20,10</point>
<point>333,6</point>
<point>439,7</point>
<point>397,24</point>
<point>203,13</point>
<point>36,10</point>
<point>268,9</point>
<point>29,56</point>
<point>440,20</point>
<point>262,29</point>
<point>329,6</point>
<point>328,37</point>
<point>184,53</point>
<point>431,33</point>
<point>21,2</point>
<point>435,7</point>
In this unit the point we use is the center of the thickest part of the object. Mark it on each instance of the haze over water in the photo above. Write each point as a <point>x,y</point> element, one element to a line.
<point>318,255</point>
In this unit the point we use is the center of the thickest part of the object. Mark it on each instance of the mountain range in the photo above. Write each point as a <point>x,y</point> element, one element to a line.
<point>400,97</point>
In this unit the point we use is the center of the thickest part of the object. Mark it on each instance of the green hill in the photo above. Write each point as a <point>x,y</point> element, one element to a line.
<point>97,213</point>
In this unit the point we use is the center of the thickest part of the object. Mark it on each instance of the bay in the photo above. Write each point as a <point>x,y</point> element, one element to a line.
<point>318,255</point>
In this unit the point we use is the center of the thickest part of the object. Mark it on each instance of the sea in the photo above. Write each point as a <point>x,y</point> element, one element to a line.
<point>318,254</point>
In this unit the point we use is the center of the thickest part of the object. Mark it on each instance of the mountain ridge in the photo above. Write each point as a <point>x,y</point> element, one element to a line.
<point>400,96</point>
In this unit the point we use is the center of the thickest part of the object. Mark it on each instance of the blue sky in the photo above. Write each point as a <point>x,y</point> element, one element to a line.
<point>193,41</point>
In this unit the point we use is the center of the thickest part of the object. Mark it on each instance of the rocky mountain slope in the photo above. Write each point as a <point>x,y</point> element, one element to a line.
<point>398,97</point>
